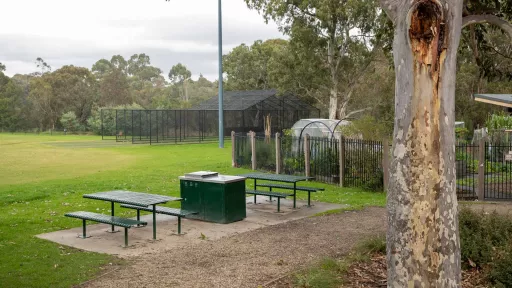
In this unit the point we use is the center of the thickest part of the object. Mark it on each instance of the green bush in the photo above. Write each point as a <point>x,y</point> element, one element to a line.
<point>461,133</point>
<point>326,160</point>
<point>266,155</point>
<point>486,243</point>
<point>70,122</point>
<point>501,273</point>
<point>376,182</point>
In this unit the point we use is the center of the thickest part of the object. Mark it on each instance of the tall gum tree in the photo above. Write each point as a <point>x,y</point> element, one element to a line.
<point>423,248</point>
<point>340,33</point>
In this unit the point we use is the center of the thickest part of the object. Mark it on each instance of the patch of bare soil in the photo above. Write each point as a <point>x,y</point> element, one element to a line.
<point>373,274</point>
<point>253,258</point>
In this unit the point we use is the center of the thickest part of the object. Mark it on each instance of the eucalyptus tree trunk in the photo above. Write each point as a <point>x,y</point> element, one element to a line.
<point>423,248</point>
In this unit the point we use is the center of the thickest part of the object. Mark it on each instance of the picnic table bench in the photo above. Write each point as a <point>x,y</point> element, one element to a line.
<point>291,179</point>
<point>289,187</point>
<point>162,210</point>
<point>269,193</point>
<point>102,218</point>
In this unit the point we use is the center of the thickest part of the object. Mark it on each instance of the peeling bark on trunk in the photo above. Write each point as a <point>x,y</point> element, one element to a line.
<point>423,247</point>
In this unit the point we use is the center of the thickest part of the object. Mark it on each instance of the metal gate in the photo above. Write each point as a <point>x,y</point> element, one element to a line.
<point>498,172</point>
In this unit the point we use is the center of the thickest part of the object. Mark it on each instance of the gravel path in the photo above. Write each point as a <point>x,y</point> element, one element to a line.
<point>250,259</point>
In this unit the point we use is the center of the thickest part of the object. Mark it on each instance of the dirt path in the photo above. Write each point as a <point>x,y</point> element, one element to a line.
<point>250,259</point>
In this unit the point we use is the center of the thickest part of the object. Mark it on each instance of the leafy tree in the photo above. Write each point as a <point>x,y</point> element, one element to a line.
<point>247,68</point>
<point>2,67</point>
<point>76,88</point>
<point>114,87</point>
<point>119,62</point>
<point>137,62</point>
<point>486,41</point>
<point>179,74</point>
<point>322,32</point>
<point>47,107</point>
<point>423,246</point>
<point>43,66</point>
<point>69,122</point>
<point>102,67</point>
<point>10,103</point>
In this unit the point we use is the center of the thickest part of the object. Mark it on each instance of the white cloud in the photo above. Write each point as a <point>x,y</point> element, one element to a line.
<point>80,33</point>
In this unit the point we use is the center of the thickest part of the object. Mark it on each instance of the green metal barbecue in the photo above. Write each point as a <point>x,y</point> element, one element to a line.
<point>216,198</point>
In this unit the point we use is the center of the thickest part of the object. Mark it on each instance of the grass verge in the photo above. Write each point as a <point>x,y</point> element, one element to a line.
<point>42,177</point>
<point>329,273</point>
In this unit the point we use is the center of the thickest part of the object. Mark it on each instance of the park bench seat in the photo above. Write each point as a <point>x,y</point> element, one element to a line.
<point>269,193</point>
<point>162,210</point>
<point>290,187</point>
<point>106,219</point>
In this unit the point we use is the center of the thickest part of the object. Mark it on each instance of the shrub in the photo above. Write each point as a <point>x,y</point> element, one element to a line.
<point>266,155</point>
<point>501,273</point>
<point>376,182</point>
<point>486,243</point>
<point>70,123</point>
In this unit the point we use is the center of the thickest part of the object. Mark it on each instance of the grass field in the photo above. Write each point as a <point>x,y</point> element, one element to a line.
<point>43,177</point>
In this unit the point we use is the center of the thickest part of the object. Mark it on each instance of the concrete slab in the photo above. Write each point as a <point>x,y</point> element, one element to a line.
<point>262,214</point>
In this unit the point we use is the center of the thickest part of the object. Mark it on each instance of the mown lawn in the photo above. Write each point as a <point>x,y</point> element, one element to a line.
<point>43,177</point>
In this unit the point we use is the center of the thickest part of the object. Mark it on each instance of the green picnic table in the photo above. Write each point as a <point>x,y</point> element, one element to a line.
<point>278,178</point>
<point>133,198</point>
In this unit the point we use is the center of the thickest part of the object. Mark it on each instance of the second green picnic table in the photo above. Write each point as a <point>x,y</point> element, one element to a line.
<point>281,178</point>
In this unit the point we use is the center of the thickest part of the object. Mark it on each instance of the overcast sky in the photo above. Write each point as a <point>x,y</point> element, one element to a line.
<point>64,32</point>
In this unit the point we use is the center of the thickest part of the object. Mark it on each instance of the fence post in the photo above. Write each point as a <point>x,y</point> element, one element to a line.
<point>278,153</point>
<point>341,148</point>
<point>385,163</point>
<point>481,169</point>
<point>307,156</point>
<point>233,160</point>
<point>253,150</point>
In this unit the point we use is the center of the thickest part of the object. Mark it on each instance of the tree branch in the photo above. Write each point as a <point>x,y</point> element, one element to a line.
<point>355,112</point>
<point>391,8</point>
<point>488,18</point>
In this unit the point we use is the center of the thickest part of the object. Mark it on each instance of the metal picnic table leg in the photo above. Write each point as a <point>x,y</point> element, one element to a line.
<point>154,221</point>
<point>84,235</point>
<point>125,236</point>
<point>255,190</point>
<point>112,213</point>
<point>294,194</point>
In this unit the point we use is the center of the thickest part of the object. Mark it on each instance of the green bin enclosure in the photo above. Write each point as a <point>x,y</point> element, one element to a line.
<point>216,198</point>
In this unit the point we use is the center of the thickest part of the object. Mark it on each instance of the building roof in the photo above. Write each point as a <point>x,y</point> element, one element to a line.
<point>255,100</point>
<point>504,100</point>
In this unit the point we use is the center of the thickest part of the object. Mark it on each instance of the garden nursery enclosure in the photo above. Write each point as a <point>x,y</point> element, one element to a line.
<point>362,163</point>
<point>243,111</point>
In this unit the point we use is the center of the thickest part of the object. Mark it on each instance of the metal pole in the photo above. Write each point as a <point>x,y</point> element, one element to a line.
<point>101,113</point>
<point>221,96</point>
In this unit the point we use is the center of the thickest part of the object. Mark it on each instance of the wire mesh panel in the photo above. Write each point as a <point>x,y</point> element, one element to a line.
<point>292,155</point>
<point>324,155</point>
<point>123,125</point>
<point>466,165</point>
<point>178,126</point>
<point>108,124</point>
<point>242,150</point>
<point>363,163</point>
<point>265,153</point>
<point>498,171</point>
